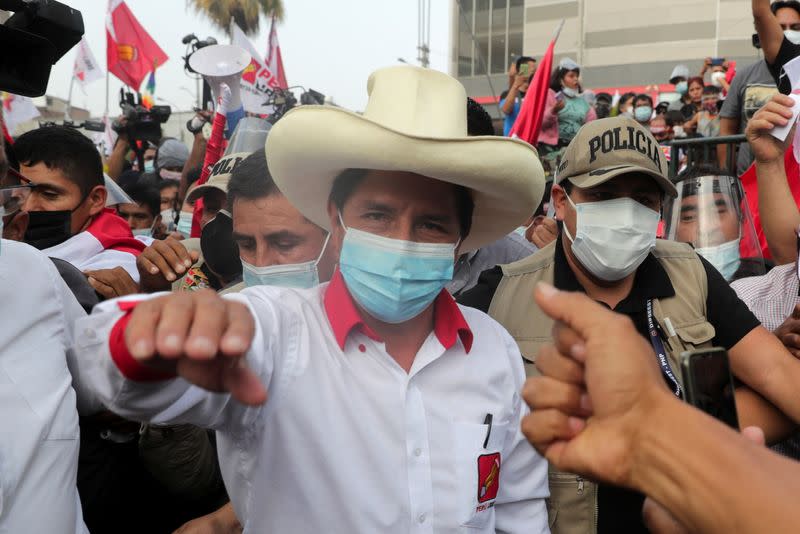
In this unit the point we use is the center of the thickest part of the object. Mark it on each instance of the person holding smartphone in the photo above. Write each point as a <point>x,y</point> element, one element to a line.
<point>511,100</point>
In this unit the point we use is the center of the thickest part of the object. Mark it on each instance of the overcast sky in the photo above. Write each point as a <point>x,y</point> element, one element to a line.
<point>327,45</point>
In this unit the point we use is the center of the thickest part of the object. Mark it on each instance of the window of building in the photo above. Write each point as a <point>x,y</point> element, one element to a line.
<point>465,21</point>
<point>497,26</point>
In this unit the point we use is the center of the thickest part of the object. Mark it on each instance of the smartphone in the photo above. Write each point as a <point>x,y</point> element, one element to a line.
<point>524,69</point>
<point>717,61</point>
<point>708,384</point>
<point>559,96</point>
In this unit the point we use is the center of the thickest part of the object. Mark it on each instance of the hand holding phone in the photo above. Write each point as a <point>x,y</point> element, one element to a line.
<point>708,384</point>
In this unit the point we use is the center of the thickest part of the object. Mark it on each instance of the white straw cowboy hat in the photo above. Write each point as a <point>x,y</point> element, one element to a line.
<point>415,121</point>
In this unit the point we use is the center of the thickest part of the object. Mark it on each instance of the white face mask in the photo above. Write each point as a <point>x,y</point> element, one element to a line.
<point>725,258</point>
<point>613,237</point>
<point>678,131</point>
<point>570,92</point>
<point>299,275</point>
<point>792,35</point>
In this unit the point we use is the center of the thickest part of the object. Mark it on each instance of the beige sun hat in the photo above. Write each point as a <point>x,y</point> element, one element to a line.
<point>415,121</point>
<point>219,177</point>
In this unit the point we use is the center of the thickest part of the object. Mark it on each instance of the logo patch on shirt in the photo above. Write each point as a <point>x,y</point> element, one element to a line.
<point>488,476</point>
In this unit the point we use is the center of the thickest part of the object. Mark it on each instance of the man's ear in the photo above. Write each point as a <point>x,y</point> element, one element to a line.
<point>14,229</point>
<point>558,197</point>
<point>97,199</point>
<point>337,231</point>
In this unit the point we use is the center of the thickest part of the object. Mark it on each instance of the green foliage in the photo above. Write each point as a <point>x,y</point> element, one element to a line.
<point>245,13</point>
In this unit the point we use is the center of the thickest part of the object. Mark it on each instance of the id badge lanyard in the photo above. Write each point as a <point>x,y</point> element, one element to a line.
<point>661,353</point>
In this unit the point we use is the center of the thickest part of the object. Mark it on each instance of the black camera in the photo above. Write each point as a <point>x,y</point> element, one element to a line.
<point>37,35</point>
<point>140,123</point>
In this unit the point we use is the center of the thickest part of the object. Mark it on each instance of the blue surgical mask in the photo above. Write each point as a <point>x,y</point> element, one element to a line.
<point>642,113</point>
<point>725,258</point>
<point>682,87</point>
<point>394,280</point>
<point>142,231</point>
<point>299,275</point>
<point>149,166</point>
<point>185,224</point>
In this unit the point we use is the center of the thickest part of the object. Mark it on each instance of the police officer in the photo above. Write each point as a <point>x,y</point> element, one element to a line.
<point>608,198</point>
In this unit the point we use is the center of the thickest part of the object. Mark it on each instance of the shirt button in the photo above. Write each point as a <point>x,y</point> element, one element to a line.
<point>422,518</point>
<point>362,348</point>
<point>417,452</point>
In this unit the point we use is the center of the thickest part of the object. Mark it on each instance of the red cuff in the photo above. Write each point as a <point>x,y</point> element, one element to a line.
<point>127,364</point>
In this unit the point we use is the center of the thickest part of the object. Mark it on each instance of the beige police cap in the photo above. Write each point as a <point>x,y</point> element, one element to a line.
<point>607,148</point>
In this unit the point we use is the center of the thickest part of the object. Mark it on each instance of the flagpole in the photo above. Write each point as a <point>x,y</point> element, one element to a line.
<point>68,109</point>
<point>105,114</point>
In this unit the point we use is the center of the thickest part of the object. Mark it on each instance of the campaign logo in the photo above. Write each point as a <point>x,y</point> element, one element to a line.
<point>127,52</point>
<point>488,476</point>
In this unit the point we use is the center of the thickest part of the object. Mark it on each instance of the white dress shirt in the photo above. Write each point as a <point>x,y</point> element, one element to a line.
<point>39,423</point>
<point>349,442</point>
<point>772,296</point>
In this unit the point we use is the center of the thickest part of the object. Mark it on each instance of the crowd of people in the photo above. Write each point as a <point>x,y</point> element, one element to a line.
<point>398,321</point>
<point>717,101</point>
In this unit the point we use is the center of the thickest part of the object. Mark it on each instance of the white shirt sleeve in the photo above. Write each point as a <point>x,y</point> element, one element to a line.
<point>175,400</point>
<point>520,505</point>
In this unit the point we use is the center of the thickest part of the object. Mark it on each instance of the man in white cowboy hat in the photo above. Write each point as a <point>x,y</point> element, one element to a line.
<point>391,408</point>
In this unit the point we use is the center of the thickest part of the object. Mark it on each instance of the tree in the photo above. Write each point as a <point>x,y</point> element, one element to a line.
<point>246,13</point>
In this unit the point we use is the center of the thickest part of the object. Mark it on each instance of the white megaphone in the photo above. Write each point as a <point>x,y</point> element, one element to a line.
<point>219,64</point>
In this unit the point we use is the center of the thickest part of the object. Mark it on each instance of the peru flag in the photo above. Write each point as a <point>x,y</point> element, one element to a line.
<point>274,60</point>
<point>105,244</point>
<point>130,51</point>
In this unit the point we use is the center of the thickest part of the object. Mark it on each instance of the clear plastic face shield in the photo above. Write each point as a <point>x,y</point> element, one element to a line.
<point>712,214</point>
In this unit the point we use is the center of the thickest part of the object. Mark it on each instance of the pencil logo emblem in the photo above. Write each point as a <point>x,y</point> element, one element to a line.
<point>488,476</point>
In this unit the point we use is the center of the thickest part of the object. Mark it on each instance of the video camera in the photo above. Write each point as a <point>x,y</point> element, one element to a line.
<point>283,100</point>
<point>91,126</point>
<point>140,123</point>
<point>39,32</point>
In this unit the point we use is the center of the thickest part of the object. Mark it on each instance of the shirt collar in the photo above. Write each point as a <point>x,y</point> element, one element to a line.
<point>343,315</point>
<point>651,281</point>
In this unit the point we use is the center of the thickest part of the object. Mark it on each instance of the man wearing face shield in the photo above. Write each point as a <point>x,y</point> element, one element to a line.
<point>711,214</point>
<point>608,197</point>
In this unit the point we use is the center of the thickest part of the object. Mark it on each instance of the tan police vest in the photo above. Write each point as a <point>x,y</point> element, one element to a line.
<point>572,506</point>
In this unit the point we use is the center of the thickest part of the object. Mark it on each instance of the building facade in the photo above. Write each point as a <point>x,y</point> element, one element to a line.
<point>618,43</point>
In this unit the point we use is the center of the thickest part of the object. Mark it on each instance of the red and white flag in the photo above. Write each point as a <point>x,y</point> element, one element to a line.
<point>107,243</point>
<point>16,110</point>
<point>528,124</point>
<point>130,51</point>
<point>255,78</point>
<point>86,69</point>
<point>274,59</point>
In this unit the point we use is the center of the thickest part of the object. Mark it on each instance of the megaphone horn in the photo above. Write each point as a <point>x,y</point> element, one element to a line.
<point>222,64</point>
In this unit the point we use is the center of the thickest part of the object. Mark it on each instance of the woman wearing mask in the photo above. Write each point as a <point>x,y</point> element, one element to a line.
<point>643,109</point>
<point>573,110</point>
<point>625,105</point>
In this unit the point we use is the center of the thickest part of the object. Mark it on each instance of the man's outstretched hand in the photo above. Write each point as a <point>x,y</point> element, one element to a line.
<point>199,336</point>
